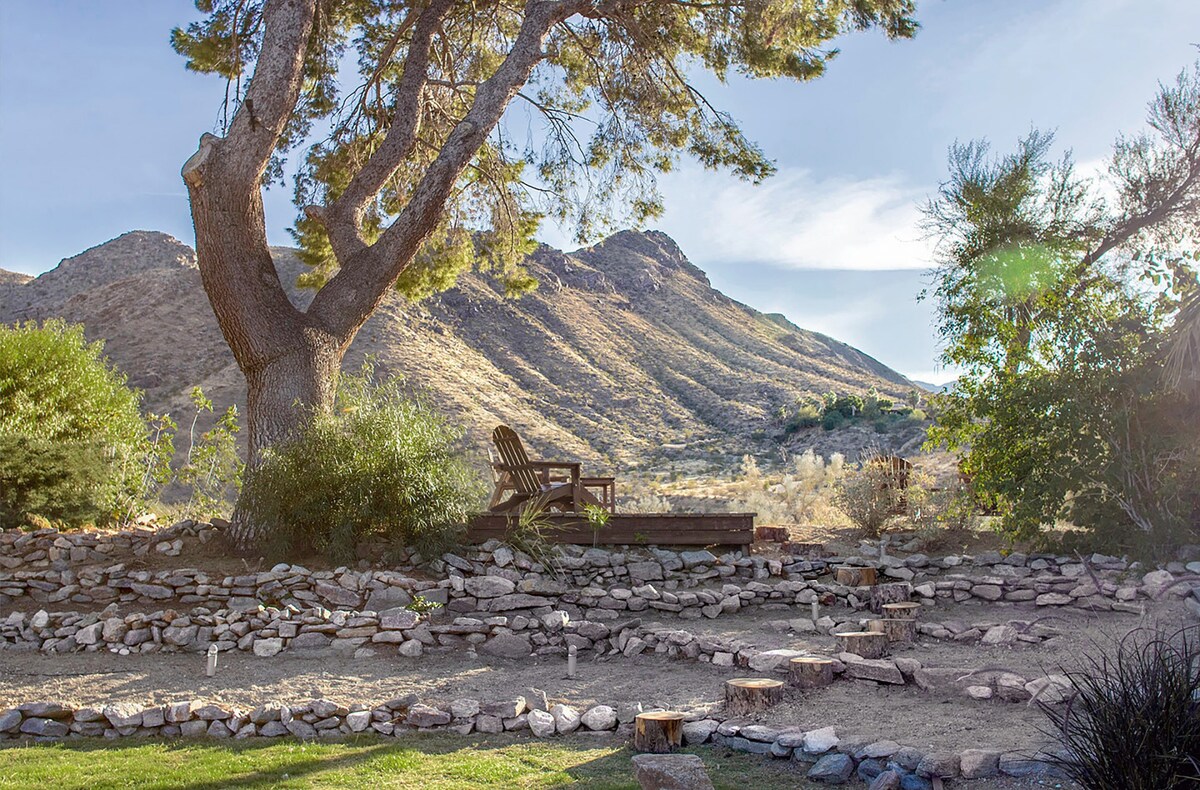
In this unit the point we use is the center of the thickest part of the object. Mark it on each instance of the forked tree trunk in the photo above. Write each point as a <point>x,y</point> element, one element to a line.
<point>290,362</point>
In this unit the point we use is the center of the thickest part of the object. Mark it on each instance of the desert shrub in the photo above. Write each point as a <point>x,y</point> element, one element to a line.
<point>74,438</point>
<point>1135,722</point>
<point>867,497</point>
<point>807,415</point>
<point>800,494</point>
<point>382,467</point>
<point>60,482</point>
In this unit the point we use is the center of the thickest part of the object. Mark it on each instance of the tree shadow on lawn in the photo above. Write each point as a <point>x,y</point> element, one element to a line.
<point>419,760</point>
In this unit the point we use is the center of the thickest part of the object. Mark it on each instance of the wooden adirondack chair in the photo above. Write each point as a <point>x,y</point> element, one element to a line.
<point>525,481</point>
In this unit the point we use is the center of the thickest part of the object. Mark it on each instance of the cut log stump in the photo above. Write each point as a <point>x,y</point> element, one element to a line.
<point>810,673</point>
<point>868,644</point>
<point>749,695</point>
<point>896,630</point>
<point>854,576</point>
<point>658,731</point>
<point>889,592</point>
<point>901,611</point>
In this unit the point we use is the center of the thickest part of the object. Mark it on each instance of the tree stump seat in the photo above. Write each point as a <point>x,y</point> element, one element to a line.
<point>658,731</point>
<point>750,695</point>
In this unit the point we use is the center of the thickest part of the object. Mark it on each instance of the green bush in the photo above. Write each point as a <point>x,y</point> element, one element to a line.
<point>833,420</point>
<point>73,437</point>
<point>381,467</point>
<point>63,482</point>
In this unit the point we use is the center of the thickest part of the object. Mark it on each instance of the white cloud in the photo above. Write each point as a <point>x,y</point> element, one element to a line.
<point>796,220</point>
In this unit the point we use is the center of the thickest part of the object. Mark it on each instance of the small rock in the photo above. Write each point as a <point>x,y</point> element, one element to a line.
<point>979,763</point>
<point>698,731</point>
<point>820,741</point>
<point>566,719</point>
<point>888,780</point>
<point>507,646</point>
<point>426,716</point>
<point>939,764</point>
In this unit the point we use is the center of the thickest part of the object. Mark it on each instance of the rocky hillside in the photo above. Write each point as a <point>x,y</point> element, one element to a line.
<point>625,347</point>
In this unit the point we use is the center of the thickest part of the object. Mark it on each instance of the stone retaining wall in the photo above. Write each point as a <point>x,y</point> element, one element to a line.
<point>499,579</point>
<point>820,752</point>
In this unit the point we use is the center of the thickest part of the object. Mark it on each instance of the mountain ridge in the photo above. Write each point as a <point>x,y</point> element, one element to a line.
<point>623,347</point>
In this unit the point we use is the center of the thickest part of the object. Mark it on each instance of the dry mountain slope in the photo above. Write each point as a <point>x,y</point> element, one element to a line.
<point>624,347</point>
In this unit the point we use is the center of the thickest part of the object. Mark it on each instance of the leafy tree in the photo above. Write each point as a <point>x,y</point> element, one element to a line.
<point>1060,307</point>
<point>71,436</point>
<point>418,173</point>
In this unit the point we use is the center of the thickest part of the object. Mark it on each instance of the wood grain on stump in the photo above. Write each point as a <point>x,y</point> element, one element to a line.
<point>895,629</point>
<point>748,695</point>
<point>868,644</point>
<point>854,576</point>
<point>810,672</point>
<point>658,731</point>
<point>901,611</point>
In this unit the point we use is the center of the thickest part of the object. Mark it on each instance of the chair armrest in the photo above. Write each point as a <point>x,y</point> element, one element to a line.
<point>556,464</point>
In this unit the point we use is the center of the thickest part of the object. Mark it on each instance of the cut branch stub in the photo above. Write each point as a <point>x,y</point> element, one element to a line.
<point>901,611</point>
<point>854,576</point>
<point>868,644</point>
<point>810,672</point>
<point>749,695</point>
<point>658,731</point>
<point>896,630</point>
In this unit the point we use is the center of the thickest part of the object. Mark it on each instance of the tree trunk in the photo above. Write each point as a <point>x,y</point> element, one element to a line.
<point>283,397</point>
<point>659,732</point>
<point>287,392</point>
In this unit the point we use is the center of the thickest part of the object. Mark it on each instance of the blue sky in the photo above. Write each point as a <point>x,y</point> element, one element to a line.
<point>97,114</point>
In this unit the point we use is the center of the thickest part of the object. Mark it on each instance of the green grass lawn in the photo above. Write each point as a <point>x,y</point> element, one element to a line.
<point>419,761</point>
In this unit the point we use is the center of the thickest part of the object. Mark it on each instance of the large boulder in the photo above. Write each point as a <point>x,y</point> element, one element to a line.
<point>671,772</point>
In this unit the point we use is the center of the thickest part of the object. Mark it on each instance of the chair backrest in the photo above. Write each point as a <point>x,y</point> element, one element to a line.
<point>513,455</point>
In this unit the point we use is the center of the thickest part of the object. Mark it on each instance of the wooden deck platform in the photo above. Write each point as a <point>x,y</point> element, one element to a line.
<point>646,529</point>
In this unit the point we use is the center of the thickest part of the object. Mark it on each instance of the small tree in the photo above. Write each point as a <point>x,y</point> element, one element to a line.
<point>1060,307</point>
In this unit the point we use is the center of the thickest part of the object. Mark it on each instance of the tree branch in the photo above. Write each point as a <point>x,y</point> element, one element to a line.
<point>273,93</point>
<point>343,217</point>
<point>357,289</point>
